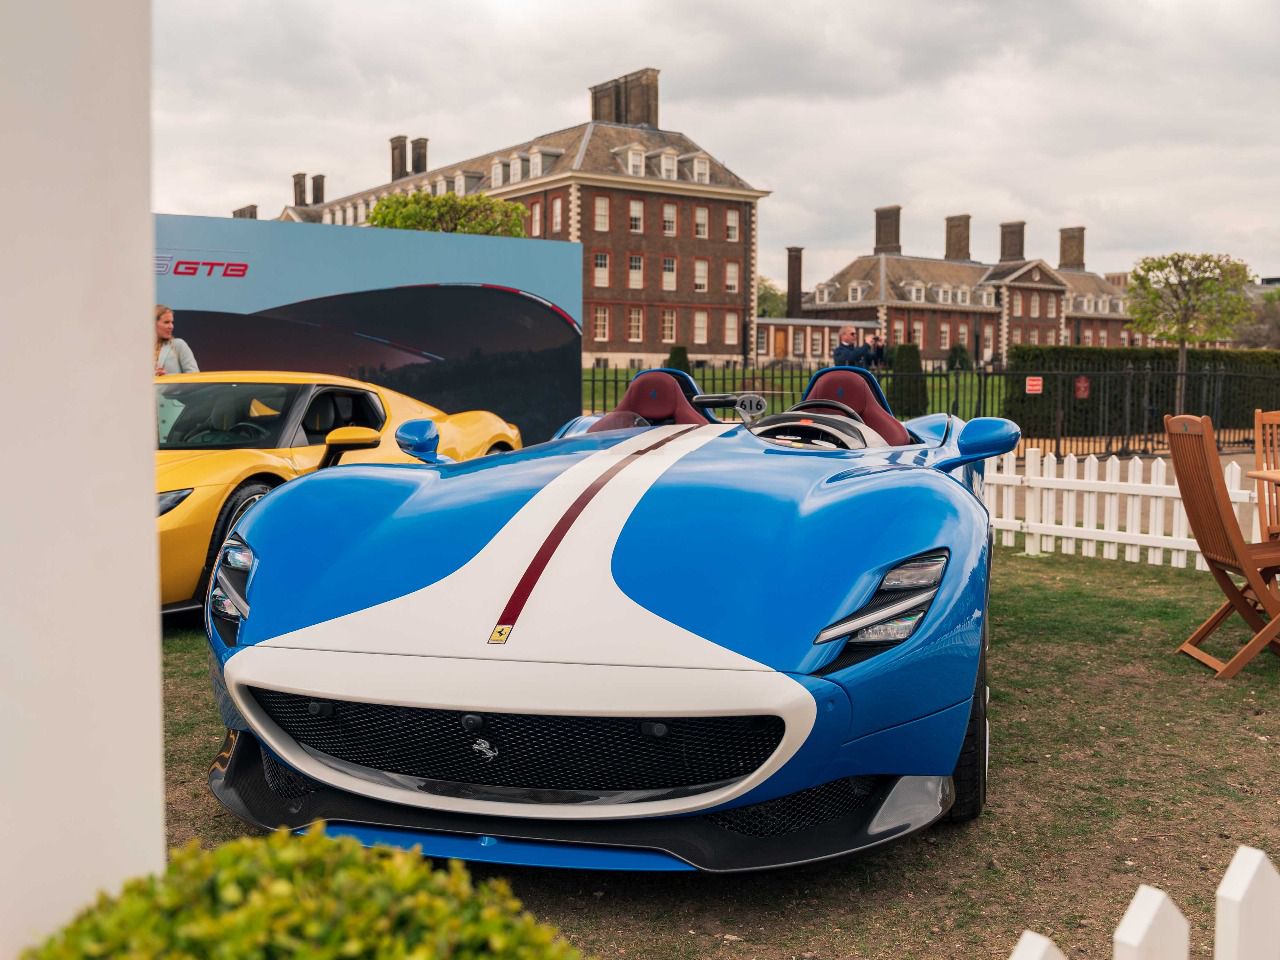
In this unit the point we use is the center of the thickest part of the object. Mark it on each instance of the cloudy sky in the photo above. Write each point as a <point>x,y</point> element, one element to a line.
<point>1155,123</point>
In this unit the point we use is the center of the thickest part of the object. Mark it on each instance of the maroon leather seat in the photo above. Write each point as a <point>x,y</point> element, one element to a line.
<point>851,389</point>
<point>657,398</point>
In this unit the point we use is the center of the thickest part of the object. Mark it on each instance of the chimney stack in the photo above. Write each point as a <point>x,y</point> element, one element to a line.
<point>888,225</point>
<point>793,280</point>
<point>1011,240</point>
<point>958,237</point>
<point>299,189</point>
<point>1071,248</point>
<point>317,188</point>
<point>246,213</point>
<point>420,155</point>
<point>399,168</point>
<point>632,99</point>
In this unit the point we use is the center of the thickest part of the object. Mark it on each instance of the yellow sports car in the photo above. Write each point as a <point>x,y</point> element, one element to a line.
<point>225,439</point>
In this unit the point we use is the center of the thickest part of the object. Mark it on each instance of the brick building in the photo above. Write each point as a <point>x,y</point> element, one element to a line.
<point>938,303</point>
<point>668,232</point>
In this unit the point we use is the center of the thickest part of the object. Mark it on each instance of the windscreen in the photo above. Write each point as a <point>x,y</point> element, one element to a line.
<point>222,416</point>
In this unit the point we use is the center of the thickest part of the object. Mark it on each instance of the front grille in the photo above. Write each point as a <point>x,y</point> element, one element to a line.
<point>797,811</point>
<point>529,751</point>
<point>285,783</point>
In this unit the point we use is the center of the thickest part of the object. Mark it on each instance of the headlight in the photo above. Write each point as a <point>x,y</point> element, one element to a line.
<point>167,501</point>
<point>891,615</point>
<point>227,605</point>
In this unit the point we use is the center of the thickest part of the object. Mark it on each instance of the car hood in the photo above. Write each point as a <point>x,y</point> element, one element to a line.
<point>179,469</point>
<point>692,548</point>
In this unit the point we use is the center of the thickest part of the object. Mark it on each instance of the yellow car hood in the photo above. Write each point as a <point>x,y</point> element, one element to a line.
<point>180,469</point>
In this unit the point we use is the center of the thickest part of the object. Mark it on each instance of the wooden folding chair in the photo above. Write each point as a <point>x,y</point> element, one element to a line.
<point>1217,531</point>
<point>1266,456</point>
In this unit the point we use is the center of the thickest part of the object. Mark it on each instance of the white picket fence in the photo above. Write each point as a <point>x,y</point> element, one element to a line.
<point>1247,925</point>
<point>1078,502</point>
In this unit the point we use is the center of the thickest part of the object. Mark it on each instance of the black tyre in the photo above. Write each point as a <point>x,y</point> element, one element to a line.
<point>242,498</point>
<point>970,775</point>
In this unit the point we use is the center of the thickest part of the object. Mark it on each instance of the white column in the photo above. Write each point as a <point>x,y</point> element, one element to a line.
<point>81,786</point>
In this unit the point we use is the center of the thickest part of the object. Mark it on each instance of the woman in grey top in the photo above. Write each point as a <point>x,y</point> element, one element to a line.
<point>172,355</point>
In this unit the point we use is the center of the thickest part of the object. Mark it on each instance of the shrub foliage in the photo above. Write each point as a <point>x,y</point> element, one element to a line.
<point>313,897</point>
<point>678,359</point>
<point>907,392</point>
<point>450,213</point>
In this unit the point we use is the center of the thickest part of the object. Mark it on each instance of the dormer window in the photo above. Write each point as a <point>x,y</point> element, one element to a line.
<point>944,294</point>
<point>535,164</point>
<point>988,297</point>
<point>438,187</point>
<point>823,293</point>
<point>915,292</point>
<point>495,174</point>
<point>459,183</point>
<point>635,163</point>
<point>855,293</point>
<point>515,168</point>
<point>1088,304</point>
<point>701,170</point>
<point>962,295</point>
<point>668,165</point>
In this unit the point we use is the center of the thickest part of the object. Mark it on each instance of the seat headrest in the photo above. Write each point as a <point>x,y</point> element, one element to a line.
<point>321,416</point>
<point>852,390</point>
<point>657,397</point>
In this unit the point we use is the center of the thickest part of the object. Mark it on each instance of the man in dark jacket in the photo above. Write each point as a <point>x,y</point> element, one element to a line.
<point>847,353</point>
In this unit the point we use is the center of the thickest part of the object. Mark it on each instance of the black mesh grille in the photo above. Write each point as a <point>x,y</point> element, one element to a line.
<point>797,811</point>
<point>285,783</point>
<point>532,751</point>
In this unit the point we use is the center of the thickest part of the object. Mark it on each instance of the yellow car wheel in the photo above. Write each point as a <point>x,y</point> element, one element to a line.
<point>237,504</point>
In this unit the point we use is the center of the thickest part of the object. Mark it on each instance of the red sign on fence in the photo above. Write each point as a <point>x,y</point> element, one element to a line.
<point>1082,387</point>
<point>1035,385</point>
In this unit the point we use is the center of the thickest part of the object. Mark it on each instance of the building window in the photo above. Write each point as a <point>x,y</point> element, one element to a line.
<point>535,219</point>
<point>731,226</point>
<point>1124,338</point>
<point>1017,303</point>
<point>944,294</point>
<point>668,219</point>
<point>855,293</point>
<point>556,212</point>
<point>535,164</point>
<point>962,335</point>
<point>1051,306</point>
<point>962,295</point>
<point>635,163</point>
<point>668,166</point>
<point>944,336</point>
<point>515,168</point>
<point>822,294</point>
<point>1088,304</point>
<point>988,298</point>
<point>602,214</point>
<point>668,325</point>
<point>1016,336</point>
<point>916,294</point>
<point>1088,338</point>
<point>731,328</point>
<point>1102,338</point>
<point>917,332</point>
<point>815,344</point>
<point>700,276</point>
<point>601,324</point>
<point>701,170</point>
<point>328,216</point>
<point>988,340</point>
<point>1034,336</point>
<point>635,221</point>
<point>495,173</point>
<point>635,272</point>
<point>1035,306</point>
<point>699,326</point>
<point>731,277</point>
<point>899,331</point>
<point>797,343</point>
<point>635,324</point>
<point>668,273</point>
<point>438,187</point>
<point>459,184</point>
<point>700,222</point>
<point>762,339</point>
<point>602,270</point>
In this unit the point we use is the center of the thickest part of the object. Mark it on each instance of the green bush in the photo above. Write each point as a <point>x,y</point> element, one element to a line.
<point>906,391</point>
<point>958,358</point>
<point>678,359</point>
<point>314,897</point>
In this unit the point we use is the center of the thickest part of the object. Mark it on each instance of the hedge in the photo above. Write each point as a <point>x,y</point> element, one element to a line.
<point>314,896</point>
<point>908,396</point>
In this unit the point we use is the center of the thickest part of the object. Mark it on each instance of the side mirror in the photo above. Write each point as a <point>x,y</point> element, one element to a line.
<point>420,440</point>
<point>983,437</point>
<point>344,439</point>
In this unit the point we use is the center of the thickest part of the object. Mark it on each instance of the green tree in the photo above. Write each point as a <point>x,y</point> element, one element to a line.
<point>678,359</point>
<point>907,392</point>
<point>1264,329</point>
<point>1190,298</point>
<point>450,213</point>
<point>770,301</point>
<point>958,358</point>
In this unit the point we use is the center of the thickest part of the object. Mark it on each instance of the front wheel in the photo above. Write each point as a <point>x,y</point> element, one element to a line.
<point>970,775</point>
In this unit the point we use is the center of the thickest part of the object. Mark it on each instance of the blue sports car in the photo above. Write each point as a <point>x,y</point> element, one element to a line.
<point>658,641</point>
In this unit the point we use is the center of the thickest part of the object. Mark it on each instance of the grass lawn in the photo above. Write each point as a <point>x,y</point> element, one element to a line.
<point>1113,763</point>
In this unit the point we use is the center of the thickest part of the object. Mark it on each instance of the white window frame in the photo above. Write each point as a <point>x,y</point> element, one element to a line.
<point>1015,307</point>
<point>1015,336</point>
<point>815,343</point>
<point>701,275</point>
<point>600,324</point>
<point>916,293</point>
<point>855,292</point>
<point>917,333</point>
<point>602,214</point>
<point>1035,306</point>
<point>1102,338</point>
<point>797,343</point>
<point>668,166</point>
<point>701,170</point>
<point>822,294</point>
<point>944,294</point>
<point>701,223</point>
<point>535,218</point>
<point>515,170</point>
<point>635,163</point>
<point>732,276</point>
<point>899,331</point>
<point>635,274</point>
<point>673,220</point>
<point>962,296</point>
<point>601,271</point>
<point>1088,304</point>
<point>1033,336</point>
<point>635,216</point>
<point>731,322</point>
<point>557,214</point>
<point>962,334</point>
<point>668,325</point>
<point>944,336</point>
<point>1088,338</point>
<point>731,226</point>
<point>700,326</point>
<point>669,277</point>
<point>1051,306</point>
<point>635,324</point>
<point>495,174</point>
<point>535,164</point>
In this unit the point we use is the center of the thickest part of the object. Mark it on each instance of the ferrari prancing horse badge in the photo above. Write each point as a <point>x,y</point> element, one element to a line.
<point>500,633</point>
